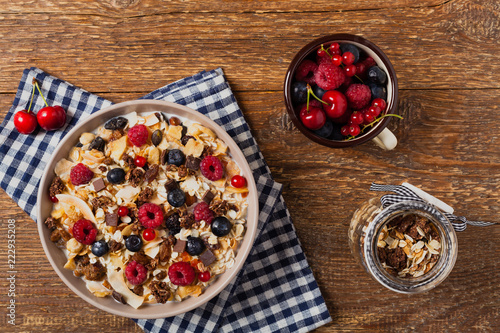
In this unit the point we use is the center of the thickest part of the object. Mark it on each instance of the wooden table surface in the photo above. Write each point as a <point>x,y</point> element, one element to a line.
<point>446,55</point>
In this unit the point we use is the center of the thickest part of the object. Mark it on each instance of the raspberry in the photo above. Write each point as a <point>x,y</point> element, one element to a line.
<point>328,76</point>
<point>150,215</point>
<point>358,95</point>
<point>306,71</point>
<point>211,168</point>
<point>138,135</point>
<point>80,174</point>
<point>136,273</point>
<point>202,212</point>
<point>181,273</point>
<point>369,62</point>
<point>84,232</point>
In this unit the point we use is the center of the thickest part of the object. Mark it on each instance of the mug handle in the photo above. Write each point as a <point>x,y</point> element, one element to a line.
<point>386,140</point>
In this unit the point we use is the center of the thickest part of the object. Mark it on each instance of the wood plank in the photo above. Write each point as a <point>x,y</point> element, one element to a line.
<point>434,47</point>
<point>128,8</point>
<point>448,152</point>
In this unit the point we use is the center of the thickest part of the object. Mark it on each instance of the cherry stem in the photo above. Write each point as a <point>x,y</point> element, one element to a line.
<point>310,92</point>
<point>35,82</point>
<point>31,100</point>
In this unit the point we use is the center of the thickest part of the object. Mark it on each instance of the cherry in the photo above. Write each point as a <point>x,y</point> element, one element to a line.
<point>149,234</point>
<point>356,118</point>
<point>140,161</point>
<point>337,103</point>
<point>204,276</point>
<point>238,181</point>
<point>122,211</point>
<point>337,60</point>
<point>380,103</point>
<point>350,70</point>
<point>354,130</point>
<point>25,121</point>
<point>314,118</point>
<point>348,58</point>
<point>50,118</point>
<point>344,130</point>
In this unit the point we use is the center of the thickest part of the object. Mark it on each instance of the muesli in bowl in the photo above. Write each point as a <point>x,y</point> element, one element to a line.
<point>148,208</point>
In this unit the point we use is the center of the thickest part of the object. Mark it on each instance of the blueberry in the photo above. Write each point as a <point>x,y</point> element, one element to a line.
<point>194,246</point>
<point>98,143</point>
<point>318,91</point>
<point>326,130</point>
<point>116,123</point>
<point>133,243</point>
<point>176,198</point>
<point>336,135</point>
<point>116,176</point>
<point>377,75</point>
<point>176,157</point>
<point>173,224</point>
<point>221,226</point>
<point>378,91</point>
<point>350,48</point>
<point>299,92</point>
<point>100,248</point>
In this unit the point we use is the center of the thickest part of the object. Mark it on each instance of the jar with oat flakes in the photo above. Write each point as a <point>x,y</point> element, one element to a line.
<point>408,247</point>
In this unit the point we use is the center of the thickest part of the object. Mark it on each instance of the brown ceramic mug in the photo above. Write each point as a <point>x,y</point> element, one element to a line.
<point>382,136</point>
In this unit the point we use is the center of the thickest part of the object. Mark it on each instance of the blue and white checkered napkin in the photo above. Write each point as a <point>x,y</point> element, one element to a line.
<point>275,291</point>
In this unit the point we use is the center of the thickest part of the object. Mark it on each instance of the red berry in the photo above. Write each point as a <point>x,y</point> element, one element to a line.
<point>328,76</point>
<point>334,47</point>
<point>238,181</point>
<point>354,130</point>
<point>343,119</point>
<point>337,60</point>
<point>25,122</point>
<point>211,168</point>
<point>150,215</point>
<point>138,135</point>
<point>357,118</point>
<point>344,130</point>
<point>360,68</point>
<point>122,211</point>
<point>313,118</point>
<point>80,174</point>
<point>348,58</point>
<point>202,212</point>
<point>321,52</point>
<point>380,103</point>
<point>140,161</point>
<point>358,95</point>
<point>149,234</point>
<point>84,232</point>
<point>369,62</point>
<point>204,276</point>
<point>368,118</point>
<point>374,111</point>
<point>306,71</point>
<point>51,118</point>
<point>337,103</point>
<point>181,273</point>
<point>54,199</point>
<point>136,273</point>
<point>350,70</point>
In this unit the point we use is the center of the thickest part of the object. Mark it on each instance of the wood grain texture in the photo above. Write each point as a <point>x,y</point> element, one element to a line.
<point>446,57</point>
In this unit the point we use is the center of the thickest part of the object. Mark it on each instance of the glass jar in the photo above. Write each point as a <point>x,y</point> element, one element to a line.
<point>365,229</point>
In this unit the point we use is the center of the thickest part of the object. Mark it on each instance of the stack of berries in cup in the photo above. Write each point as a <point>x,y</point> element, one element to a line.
<point>340,91</point>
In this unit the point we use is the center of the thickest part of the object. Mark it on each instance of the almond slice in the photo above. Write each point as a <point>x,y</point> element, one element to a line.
<point>77,203</point>
<point>118,283</point>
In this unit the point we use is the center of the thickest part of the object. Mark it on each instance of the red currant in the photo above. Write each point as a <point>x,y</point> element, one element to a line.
<point>54,199</point>
<point>122,211</point>
<point>354,130</point>
<point>238,181</point>
<point>321,51</point>
<point>344,130</point>
<point>350,70</point>
<point>368,118</point>
<point>140,161</point>
<point>380,103</point>
<point>337,60</point>
<point>204,276</point>
<point>348,58</point>
<point>374,111</point>
<point>356,118</point>
<point>149,234</point>
<point>334,46</point>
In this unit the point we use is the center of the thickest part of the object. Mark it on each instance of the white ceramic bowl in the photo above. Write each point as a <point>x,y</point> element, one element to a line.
<point>56,256</point>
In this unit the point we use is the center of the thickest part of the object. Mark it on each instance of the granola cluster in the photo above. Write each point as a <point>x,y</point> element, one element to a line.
<point>150,175</point>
